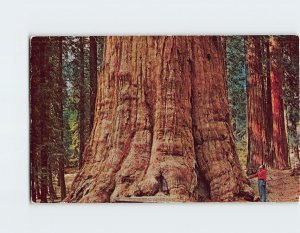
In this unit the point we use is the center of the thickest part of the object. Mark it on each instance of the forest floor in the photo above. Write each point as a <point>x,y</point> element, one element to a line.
<point>281,185</point>
<point>70,174</point>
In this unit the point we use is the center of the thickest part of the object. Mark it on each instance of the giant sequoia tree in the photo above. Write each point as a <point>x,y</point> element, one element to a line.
<point>267,137</point>
<point>161,123</point>
<point>257,144</point>
<point>281,160</point>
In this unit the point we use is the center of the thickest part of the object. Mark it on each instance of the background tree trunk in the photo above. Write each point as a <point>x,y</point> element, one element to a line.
<point>93,77</point>
<point>35,58</point>
<point>44,120</point>
<point>32,180</point>
<point>52,193</point>
<point>281,160</point>
<point>161,120</point>
<point>81,104</point>
<point>257,145</point>
<point>268,106</point>
<point>290,50</point>
<point>61,159</point>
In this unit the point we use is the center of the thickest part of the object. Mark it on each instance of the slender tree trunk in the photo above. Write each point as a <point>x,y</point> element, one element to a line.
<point>44,120</point>
<point>257,147</point>
<point>32,175</point>
<point>161,119</point>
<point>281,160</point>
<point>37,182</point>
<point>52,193</point>
<point>38,65</point>
<point>33,152</point>
<point>32,180</point>
<point>93,77</point>
<point>81,104</point>
<point>44,174</point>
<point>296,152</point>
<point>61,159</point>
<point>34,78</point>
<point>268,107</point>
<point>61,177</point>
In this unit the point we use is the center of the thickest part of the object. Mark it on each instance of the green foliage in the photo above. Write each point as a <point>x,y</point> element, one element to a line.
<point>67,131</point>
<point>242,151</point>
<point>74,131</point>
<point>290,64</point>
<point>73,66</point>
<point>236,76</point>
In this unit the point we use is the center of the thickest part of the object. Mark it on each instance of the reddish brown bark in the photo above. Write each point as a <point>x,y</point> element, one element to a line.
<point>44,119</point>
<point>268,106</point>
<point>51,190</point>
<point>82,99</point>
<point>256,114</point>
<point>161,122</point>
<point>281,159</point>
<point>61,159</point>
<point>214,144</point>
<point>93,77</point>
<point>35,59</point>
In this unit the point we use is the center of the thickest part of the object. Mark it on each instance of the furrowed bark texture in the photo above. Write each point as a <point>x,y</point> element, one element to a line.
<point>161,123</point>
<point>281,159</point>
<point>214,145</point>
<point>93,77</point>
<point>268,106</point>
<point>257,144</point>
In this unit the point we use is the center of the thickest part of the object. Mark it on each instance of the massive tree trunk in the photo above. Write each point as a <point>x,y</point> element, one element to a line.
<point>257,147</point>
<point>161,123</point>
<point>213,138</point>
<point>281,159</point>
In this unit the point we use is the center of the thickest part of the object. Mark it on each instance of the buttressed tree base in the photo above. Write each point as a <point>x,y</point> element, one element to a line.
<point>161,125</point>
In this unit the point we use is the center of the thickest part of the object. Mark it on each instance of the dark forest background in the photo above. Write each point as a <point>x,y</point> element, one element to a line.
<point>63,84</point>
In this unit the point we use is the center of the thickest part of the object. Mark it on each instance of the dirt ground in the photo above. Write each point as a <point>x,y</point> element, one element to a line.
<point>69,177</point>
<point>281,186</point>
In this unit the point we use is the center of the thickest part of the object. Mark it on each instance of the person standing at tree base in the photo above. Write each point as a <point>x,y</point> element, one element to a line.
<point>262,182</point>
